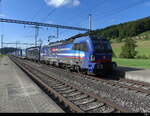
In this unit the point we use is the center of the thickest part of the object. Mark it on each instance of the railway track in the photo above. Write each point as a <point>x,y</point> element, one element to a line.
<point>141,87</point>
<point>73,98</point>
<point>138,86</point>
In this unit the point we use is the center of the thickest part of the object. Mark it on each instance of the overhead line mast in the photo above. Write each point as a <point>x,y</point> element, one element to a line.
<point>38,24</point>
<point>90,22</point>
<point>2,36</point>
<point>42,24</point>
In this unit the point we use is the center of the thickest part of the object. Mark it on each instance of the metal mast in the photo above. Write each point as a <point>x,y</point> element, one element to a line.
<point>2,36</point>
<point>90,22</point>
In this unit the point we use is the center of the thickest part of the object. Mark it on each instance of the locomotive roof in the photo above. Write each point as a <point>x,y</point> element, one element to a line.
<point>34,47</point>
<point>71,39</point>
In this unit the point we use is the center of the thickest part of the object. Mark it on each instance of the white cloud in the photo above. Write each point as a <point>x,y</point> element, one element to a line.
<point>76,3</point>
<point>59,3</point>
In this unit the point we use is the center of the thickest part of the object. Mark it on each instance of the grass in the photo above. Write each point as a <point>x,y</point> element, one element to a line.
<point>136,63</point>
<point>145,33</point>
<point>1,56</point>
<point>142,49</point>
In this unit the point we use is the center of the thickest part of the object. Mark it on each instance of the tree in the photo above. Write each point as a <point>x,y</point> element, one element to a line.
<point>124,30</point>
<point>128,50</point>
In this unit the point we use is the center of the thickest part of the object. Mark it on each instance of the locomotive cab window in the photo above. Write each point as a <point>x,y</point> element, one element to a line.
<point>83,47</point>
<point>101,44</point>
<point>76,46</point>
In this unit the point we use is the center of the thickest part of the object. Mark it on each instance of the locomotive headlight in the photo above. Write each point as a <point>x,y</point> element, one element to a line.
<point>93,58</point>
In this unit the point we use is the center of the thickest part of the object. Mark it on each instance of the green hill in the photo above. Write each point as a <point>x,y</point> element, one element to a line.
<point>143,49</point>
<point>124,30</point>
<point>143,45</point>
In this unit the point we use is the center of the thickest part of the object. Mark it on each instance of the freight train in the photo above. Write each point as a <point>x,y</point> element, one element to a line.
<point>89,54</point>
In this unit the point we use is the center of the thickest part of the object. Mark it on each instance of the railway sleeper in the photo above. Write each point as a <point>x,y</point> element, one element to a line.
<point>67,92</point>
<point>91,106</point>
<point>77,97</point>
<point>104,109</point>
<point>58,87</point>
<point>54,85</point>
<point>84,101</point>
<point>53,81</point>
<point>64,89</point>
<point>72,94</point>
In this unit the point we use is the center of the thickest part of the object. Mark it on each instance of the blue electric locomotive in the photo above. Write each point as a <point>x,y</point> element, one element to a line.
<point>90,54</point>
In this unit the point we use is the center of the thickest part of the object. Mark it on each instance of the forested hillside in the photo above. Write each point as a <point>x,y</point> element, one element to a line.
<point>118,32</point>
<point>125,30</point>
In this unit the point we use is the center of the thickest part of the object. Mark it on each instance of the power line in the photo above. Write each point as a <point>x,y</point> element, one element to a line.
<point>120,9</point>
<point>18,43</point>
<point>52,11</point>
<point>36,14</point>
<point>90,11</point>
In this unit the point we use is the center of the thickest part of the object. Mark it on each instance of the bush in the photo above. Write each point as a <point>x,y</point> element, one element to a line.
<point>142,57</point>
<point>128,50</point>
<point>138,57</point>
<point>114,55</point>
<point>149,57</point>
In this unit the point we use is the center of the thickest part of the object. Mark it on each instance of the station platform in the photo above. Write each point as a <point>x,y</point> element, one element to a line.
<point>19,94</point>
<point>137,74</point>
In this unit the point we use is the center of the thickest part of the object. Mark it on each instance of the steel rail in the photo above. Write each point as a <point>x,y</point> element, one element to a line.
<point>123,85</point>
<point>48,89</point>
<point>135,82</point>
<point>43,72</point>
<point>115,83</point>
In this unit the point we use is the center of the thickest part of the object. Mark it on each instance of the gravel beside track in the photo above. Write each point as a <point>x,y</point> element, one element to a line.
<point>131,99</point>
<point>87,102</point>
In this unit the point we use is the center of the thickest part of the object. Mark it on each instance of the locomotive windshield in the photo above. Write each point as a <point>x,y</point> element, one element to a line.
<point>101,45</point>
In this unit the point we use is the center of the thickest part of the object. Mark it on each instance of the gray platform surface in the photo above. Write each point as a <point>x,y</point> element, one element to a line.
<point>18,93</point>
<point>137,74</point>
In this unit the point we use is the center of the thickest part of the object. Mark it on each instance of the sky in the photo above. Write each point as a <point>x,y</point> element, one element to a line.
<point>66,12</point>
